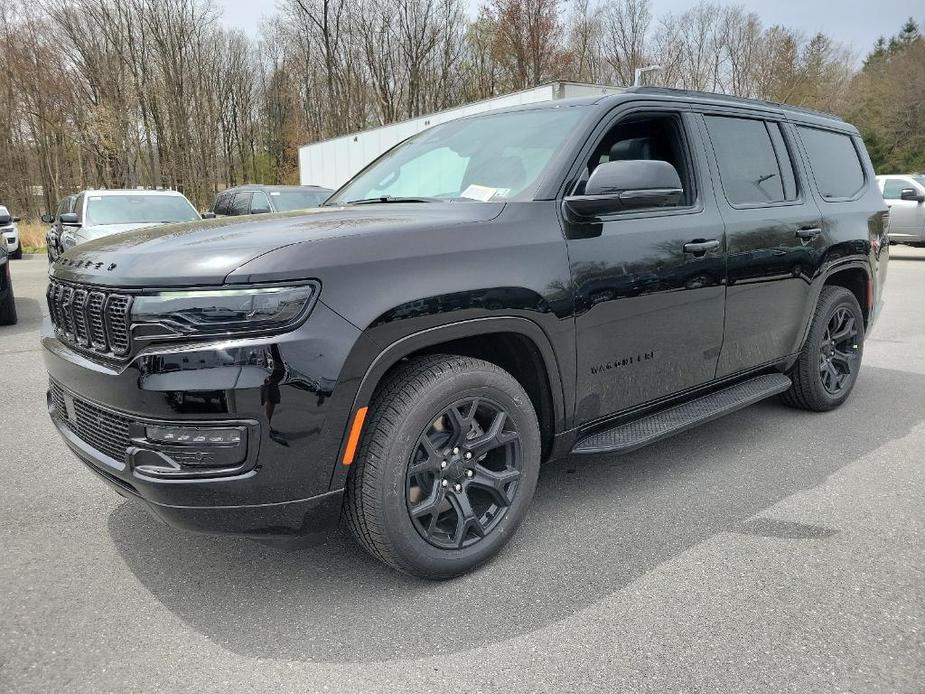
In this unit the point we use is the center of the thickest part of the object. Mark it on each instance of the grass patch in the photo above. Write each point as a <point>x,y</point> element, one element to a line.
<point>32,236</point>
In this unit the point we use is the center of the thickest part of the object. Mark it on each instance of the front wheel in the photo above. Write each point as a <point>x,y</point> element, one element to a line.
<point>828,366</point>
<point>447,466</point>
<point>17,254</point>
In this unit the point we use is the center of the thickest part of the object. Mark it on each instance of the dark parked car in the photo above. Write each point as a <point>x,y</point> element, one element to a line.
<point>574,278</point>
<point>53,234</point>
<point>7,302</point>
<point>258,199</point>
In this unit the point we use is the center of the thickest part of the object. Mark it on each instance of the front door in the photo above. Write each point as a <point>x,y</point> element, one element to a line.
<point>649,287</point>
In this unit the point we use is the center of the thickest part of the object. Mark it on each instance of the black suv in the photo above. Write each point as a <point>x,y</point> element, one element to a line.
<point>259,199</point>
<point>580,277</point>
<point>7,302</point>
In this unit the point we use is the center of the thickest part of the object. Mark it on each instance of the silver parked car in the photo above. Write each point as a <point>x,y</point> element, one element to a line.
<point>98,213</point>
<point>905,195</point>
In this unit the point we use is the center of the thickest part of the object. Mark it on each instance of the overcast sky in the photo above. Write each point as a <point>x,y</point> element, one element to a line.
<point>856,23</point>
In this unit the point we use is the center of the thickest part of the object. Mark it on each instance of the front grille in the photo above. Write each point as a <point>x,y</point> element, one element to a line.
<point>97,321</point>
<point>106,431</point>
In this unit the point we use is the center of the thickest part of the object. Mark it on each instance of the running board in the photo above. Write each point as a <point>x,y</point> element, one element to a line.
<point>659,425</point>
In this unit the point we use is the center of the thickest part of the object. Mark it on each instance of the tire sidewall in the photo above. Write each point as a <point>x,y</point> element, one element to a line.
<point>400,530</point>
<point>835,301</point>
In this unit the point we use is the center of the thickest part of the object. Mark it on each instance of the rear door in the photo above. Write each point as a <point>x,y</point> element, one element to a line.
<point>773,236</point>
<point>648,283</point>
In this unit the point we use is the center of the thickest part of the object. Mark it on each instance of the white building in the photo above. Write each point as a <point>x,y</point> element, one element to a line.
<point>331,163</point>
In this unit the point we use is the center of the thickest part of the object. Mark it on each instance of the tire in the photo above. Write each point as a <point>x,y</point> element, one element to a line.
<point>8,304</point>
<point>411,415</point>
<point>17,254</point>
<point>812,389</point>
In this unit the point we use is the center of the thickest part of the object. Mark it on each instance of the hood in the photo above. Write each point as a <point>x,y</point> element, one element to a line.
<point>205,252</point>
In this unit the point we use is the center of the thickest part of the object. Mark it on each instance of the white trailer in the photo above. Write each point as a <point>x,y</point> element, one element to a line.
<point>331,163</point>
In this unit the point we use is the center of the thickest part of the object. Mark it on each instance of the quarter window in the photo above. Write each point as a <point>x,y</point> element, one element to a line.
<point>834,161</point>
<point>754,164</point>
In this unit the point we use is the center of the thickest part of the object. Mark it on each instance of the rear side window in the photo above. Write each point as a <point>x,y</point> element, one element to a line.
<point>241,204</point>
<point>221,204</point>
<point>754,167</point>
<point>834,161</point>
<point>893,187</point>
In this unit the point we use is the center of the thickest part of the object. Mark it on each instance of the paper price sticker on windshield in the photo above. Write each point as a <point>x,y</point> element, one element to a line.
<point>482,193</point>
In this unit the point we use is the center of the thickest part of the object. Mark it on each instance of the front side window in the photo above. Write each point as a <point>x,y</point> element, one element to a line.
<point>749,168</point>
<point>892,188</point>
<point>643,136</point>
<point>495,157</point>
<point>834,161</point>
<point>138,209</point>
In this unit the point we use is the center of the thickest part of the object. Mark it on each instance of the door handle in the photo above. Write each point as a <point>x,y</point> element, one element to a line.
<point>809,232</point>
<point>700,247</point>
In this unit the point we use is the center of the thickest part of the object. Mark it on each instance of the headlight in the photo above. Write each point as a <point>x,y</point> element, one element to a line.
<point>220,311</point>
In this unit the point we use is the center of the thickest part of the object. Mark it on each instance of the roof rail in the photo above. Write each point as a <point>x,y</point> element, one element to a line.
<point>729,99</point>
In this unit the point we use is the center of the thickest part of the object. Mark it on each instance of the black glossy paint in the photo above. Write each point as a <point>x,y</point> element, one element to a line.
<point>620,316</point>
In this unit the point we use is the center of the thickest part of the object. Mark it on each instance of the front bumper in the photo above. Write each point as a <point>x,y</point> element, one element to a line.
<point>279,390</point>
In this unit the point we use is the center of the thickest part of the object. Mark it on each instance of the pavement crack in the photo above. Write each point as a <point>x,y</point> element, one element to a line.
<point>788,530</point>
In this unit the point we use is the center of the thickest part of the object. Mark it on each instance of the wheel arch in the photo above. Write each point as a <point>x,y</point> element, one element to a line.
<point>852,273</point>
<point>499,340</point>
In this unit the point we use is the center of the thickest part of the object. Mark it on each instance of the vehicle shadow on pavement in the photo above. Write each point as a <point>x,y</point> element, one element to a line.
<point>597,524</point>
<point>29,315</point>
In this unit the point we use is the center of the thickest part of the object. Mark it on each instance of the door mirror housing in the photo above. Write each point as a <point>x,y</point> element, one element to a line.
<point>69,219</point>
<point>911,194</point>
<point>617,186</point>
<point>208,215</point>
<point>48,218</point>
<point>17,219</point>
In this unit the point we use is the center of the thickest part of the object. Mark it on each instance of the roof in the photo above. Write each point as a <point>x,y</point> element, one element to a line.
<point>130,191</point>
<point>260,186</point>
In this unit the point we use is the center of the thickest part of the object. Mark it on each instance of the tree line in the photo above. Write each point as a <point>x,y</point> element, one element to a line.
<point>126,93</point>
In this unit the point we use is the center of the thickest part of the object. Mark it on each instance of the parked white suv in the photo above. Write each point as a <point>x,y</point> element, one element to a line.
<point>99,213</point>
<point>905,195</point>
<point>10,232</point>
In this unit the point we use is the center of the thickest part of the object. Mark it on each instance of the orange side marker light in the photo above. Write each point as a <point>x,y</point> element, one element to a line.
<point>354,437</point>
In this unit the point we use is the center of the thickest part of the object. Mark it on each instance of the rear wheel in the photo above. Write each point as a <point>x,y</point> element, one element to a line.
<point>828,367</point>
<point>447,466</point>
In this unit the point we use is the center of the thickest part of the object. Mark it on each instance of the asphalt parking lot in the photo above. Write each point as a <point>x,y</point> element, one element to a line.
<point>772,550</point>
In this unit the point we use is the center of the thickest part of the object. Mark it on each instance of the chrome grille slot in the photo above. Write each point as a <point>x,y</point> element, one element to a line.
<point>117,318</point>
<point>96,321</point>
<point>80,317</point>
<point>95,303</point>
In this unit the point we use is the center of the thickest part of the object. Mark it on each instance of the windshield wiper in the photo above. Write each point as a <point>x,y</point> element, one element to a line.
<point>390,198</point>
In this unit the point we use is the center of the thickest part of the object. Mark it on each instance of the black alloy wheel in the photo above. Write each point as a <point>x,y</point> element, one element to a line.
<point>464,473</point>
<point>838,353</point>
<point>830,361</point>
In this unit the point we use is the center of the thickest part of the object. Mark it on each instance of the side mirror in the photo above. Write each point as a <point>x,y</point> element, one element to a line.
<point>69,219</point>
<point>208,215</point>
<point>911,194</point>
<point>626,185</point>
<point>258,210</point>
<point>48,218</point>
<point>17,219</point>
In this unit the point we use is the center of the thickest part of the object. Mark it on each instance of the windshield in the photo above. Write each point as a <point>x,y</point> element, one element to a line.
<point>288,200</point>
<point>138,209</point>
<point>497,157</point>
